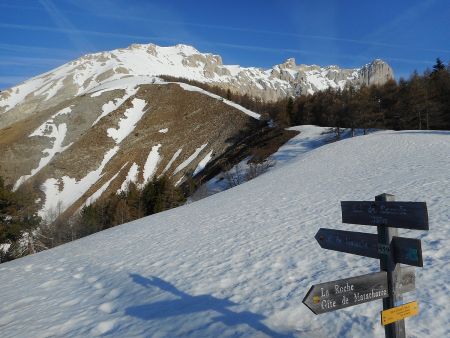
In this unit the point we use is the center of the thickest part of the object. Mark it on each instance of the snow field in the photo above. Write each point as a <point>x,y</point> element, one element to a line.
<point>239,263</point>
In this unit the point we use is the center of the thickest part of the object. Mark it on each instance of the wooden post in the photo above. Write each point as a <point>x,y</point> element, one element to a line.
<point>387,263</point>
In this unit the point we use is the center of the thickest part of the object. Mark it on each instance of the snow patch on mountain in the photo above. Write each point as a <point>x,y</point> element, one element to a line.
<point>185,163</point>
<point>68,190</point>
<point>96,195</point>
<point>127,124</point>
<point>174,157</point>
<point>53,131</point>
<point>13,96</point>
<point>202,164</point>
<point>58,133</point>
<point>151,164</point>
<point>228,102</point>
<point>132,177</point>
<point>110,106</point>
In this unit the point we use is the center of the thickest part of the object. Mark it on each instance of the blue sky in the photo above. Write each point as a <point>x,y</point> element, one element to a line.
<point>38,35</point>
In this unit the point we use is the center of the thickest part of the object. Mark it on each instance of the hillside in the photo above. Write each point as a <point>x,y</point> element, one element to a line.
<point>83,130</point>
<point>239,263</point>
<point>85,147</point>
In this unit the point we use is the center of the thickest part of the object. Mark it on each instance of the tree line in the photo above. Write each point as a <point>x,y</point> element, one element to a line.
<point>23,232</point>
<point>420,102</point>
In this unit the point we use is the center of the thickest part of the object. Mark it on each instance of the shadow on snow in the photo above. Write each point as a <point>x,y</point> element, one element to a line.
<point>187,304</point>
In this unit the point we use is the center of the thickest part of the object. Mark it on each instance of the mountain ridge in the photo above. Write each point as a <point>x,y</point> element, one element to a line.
<point>84,74</point>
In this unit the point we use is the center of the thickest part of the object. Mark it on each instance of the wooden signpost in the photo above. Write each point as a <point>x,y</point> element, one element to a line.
<point>388,247</point>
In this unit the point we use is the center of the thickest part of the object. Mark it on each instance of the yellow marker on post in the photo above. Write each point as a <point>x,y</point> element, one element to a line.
<point>400,312</point>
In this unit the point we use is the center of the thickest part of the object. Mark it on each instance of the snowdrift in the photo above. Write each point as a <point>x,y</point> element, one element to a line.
<point>239,262</point>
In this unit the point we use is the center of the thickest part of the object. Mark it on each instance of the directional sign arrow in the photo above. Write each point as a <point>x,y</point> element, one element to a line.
<point>342,293</point>
<point>339,294</point>
<point>406,250</point>
<point>357,243</point>
<point>407,215</point>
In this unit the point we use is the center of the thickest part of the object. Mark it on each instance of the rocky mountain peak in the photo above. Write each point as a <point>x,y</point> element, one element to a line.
<point>289,64</point>
<point>376,72</point>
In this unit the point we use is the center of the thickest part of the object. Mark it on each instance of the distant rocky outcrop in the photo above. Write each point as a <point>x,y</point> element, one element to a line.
<point>375,73</point>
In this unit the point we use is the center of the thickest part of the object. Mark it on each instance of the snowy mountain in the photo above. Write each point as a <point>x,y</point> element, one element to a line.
<point>140,62</point>
<point>90,126</point>
<point>239,263</point>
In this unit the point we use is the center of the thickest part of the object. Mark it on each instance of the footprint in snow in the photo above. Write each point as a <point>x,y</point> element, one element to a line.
<point>114,293</point>
<point>104,327</point>
<point>92,280</point>
<point>98,286</point>
<point>108,307</point>
<point>71,302</point>
<point>49,284</point>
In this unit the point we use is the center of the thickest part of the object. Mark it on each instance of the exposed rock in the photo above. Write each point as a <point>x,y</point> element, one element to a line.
<point>375,73</point>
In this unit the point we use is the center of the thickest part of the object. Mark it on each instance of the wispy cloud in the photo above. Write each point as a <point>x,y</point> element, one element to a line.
<point>404,19</point>
<point>63,23</point>
<point>30,61</point>
<point>86,32</point>
<point>368,41</point>
<point>125,14</point>
<point>34,49</point>
<point>18,6</point>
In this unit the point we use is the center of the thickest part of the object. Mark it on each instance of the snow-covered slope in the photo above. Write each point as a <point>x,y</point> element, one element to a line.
<point>239,263</point>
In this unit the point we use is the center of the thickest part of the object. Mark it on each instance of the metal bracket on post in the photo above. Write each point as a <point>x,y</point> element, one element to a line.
<point>387,263</point>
